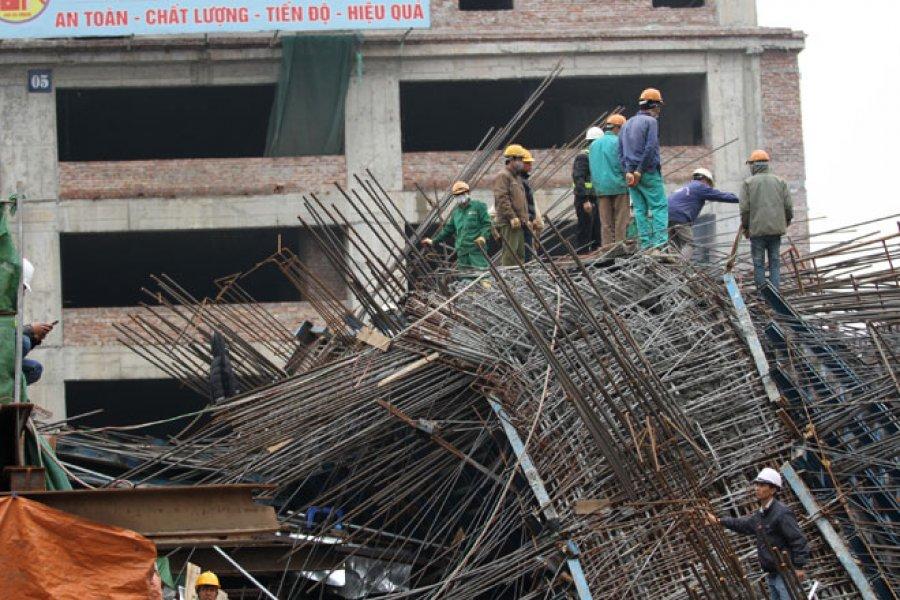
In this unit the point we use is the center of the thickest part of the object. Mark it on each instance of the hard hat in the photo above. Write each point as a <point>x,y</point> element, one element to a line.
<point>769,476</point>
<point>651,95</point>
<point>460,187</point>
<point>528,157</point>
<point>758,156</point>
<point>703,173</point>
<point>27,273</point>
<point>514,151</point>
<point>207,578</point>
<point>593,133</point>
<point>616,120</point>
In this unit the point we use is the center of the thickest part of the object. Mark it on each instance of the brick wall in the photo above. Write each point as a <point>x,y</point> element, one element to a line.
<point>783,128</point>
<point>199,177</point>
<point>434,169</point>
<point>541,15</point>
<point>95,326</point>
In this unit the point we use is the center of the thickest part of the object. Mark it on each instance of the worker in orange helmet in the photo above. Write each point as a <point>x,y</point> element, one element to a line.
<point>639,156</point>
<point>609,183</point>
<point>469,225</point>
<point>766,212</point>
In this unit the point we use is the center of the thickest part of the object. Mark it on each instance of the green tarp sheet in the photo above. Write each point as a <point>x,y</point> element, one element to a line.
<point>307,116</point>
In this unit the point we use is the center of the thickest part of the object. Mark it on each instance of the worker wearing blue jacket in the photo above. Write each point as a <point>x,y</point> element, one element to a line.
<point>685,205</point>
<point>639,155</point>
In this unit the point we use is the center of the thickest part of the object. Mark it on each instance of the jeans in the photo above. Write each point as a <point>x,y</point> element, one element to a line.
<point>777,589</point>
<point>761,246</point>
<point>31,369</point>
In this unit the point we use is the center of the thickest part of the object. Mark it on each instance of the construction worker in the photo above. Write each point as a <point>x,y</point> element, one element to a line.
<point>470,225</point>
<point>685,205</point>
<point>33,334</point>
<point>588,236</point>
<point>511,205</point>
<point>639,156</point>
<point>766,212</point>
<point>776,531</point>
<point>534,214</point>
<point>207,586</point>
<point>609,183</point>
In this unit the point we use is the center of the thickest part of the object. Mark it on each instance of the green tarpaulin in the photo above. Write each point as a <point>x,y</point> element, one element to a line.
<point>307,116</point>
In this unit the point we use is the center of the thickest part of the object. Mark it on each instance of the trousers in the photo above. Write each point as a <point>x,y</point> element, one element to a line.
<point>615,213</point>
<point>589,236</point>
<point>681,236</point>
<point>777,588</point>
<point>513,246</point>
<point>651,210</point>
<point>761,246</point>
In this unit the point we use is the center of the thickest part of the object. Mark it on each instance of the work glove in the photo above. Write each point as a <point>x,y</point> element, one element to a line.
<point>537,225</point>
<point>515,223</point>
<point>480,241</point>
<point>427,242</point>
<point>587,206</point>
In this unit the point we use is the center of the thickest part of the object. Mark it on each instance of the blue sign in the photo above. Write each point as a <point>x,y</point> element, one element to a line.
<point>87,18</point>
<point>39,80</point>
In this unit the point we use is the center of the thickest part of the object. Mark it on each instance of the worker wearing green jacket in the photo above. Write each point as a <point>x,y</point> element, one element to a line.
<point>469,224</point>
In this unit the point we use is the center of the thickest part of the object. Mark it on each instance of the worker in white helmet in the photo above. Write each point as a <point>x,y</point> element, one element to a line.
<point>685,205</point>
<point>776,529</point>
<point>586,210</point>
<point>33,334</point>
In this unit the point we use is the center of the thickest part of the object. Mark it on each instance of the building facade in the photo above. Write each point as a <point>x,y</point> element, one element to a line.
<point>127,172</point>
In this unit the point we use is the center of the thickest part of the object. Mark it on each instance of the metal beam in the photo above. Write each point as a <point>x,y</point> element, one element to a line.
<point>207,515</point>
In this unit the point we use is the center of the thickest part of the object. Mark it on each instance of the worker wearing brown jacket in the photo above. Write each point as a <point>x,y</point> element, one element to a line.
<point>511,205</point>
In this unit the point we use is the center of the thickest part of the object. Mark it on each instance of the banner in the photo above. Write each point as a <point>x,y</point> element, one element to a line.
<point>87,18</point>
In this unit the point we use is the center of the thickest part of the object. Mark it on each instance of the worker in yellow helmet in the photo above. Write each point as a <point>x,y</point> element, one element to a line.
<point>207,586</point>
<point>469,225</point>
<point>511,205</point>
<point>639,155</point>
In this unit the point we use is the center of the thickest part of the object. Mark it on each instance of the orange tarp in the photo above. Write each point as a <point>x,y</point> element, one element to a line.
<point>52,555</point>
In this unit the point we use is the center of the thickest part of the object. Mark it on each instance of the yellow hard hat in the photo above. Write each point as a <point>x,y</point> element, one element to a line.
<point>460,187</point>
<point>207,578</point>
<point>758,156</point>
<point>528,157</point>
<point>651,95</point>
<point>514,151</point>
<point>616,120</point>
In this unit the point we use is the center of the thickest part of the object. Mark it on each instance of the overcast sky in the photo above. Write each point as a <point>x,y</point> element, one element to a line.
<point>850,89</point>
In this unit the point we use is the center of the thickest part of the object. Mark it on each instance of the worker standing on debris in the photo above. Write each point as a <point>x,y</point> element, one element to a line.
<point>639,157</point>
<point>776,531</point>
<point>534,214</point>
<point>207,586</point>
<point>766,212</point>
<point>685,205</point>
<point>609,183</point>
<point>588,236</point>
<point>511,205</point>
<point>469,224</point>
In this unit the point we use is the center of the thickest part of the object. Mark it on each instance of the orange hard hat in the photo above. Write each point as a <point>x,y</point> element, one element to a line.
<point>651,95</point>
<point>758,156</point>
<point>460,187</point>
<point>616,120</point>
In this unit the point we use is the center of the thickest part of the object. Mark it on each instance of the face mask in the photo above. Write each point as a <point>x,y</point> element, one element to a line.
<point>462,199</point>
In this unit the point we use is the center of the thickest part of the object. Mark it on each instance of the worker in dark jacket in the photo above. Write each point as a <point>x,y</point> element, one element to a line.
<point>639,155</point>
<point>586,209</point>
<point>776,529</point>
<point>685,205</point>
<point>534,214</point>
<point>766,212</point>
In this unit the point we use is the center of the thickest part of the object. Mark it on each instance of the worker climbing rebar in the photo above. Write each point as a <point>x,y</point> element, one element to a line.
<point>766,212</point>
<point>685,205</point>
<point>776,531</point>
<point>586,210</point>
<point>640,159</point>
<point>609,183</point>
<point>511,205</point>
<point>469,225</point>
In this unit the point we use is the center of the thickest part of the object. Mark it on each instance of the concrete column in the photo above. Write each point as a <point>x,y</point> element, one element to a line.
<point>28,158</point>
<point>372,123</point>
<point>730,99</point>
<point>736,13</point>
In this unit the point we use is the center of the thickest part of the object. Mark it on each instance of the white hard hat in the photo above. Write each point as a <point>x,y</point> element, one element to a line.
<point>593,133</point>
<point>703,172</point>
<point>769,476</point>
<point>27,273</point>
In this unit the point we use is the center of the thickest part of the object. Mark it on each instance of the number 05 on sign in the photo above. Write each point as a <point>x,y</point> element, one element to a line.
<point>40,80</point>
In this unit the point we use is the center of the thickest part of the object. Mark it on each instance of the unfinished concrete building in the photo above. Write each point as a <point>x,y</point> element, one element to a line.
<point>149,155</point>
